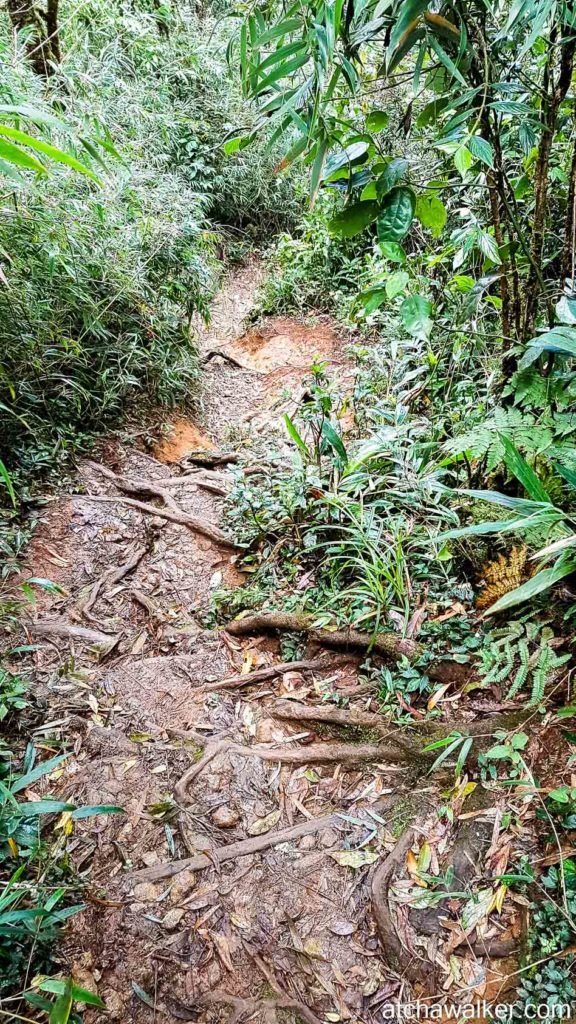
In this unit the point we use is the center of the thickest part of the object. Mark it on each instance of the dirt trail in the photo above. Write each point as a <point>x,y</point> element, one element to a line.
<point>288,929</point>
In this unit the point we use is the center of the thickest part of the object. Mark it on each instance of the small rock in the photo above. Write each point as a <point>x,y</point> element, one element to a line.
<point>114,1005</point>
<point>182,886</point>
<point>307,843</point>
<point>138,908</point>
<point>172,918</point>
<point>353,999</point>
<point>225,816</point>
<point>84,979</point>
<point>145,892</point>
<point>342,927</point>
<point>213,975</point>
<point>114,786</point>
<point>329,837</point>
<point>264,730</point>
<point>149,858</point>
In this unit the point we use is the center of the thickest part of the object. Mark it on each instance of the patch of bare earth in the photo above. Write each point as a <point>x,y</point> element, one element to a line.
<point>276,927</point>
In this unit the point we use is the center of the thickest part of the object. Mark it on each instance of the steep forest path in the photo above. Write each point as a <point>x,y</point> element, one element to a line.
<point>290,928</point>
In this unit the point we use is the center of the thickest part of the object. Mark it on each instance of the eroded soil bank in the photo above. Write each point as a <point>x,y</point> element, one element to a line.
<point>295,928</point>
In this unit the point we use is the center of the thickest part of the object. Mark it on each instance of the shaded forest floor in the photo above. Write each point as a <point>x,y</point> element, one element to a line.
<point>129,670</point>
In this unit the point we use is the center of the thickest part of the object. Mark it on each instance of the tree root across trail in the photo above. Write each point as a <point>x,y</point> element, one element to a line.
<point>172,511</point>
<point>388,645</point>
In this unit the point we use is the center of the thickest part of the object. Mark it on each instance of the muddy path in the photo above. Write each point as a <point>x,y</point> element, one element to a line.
<point>276,929</point>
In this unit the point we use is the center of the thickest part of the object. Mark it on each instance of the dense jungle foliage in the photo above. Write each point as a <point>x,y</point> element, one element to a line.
<point>406,167</point>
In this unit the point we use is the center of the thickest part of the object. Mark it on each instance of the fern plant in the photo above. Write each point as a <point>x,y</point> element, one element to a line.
<point>527,648</point>
<point>550,434</point>
<point>536,512</point>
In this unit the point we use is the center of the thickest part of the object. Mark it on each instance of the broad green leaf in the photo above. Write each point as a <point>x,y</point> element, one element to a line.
<point>7,481</point>
<point>283,28</point>
<point>488,247</point>
<point>408,18</point>
<point>290,67</point>
<point>79,995</point>
<point>396,283</point>
<point>90,810</point>
<point>60,1012</point>
<point>345,158</point>
<point>391,175</point>
<point>334,440</point>
<point>566,310</point>
<point>42,769</point>
<point>293,432</point>
<point>396,214</point>
<point>8,171</point>
<point>447,61</point>
<point>233,145</point>
<point>450,749</point>
<point>392,251</point>
<point>32,810</point>
<point>373,298</point>
<point>431,213</point>
<point>415,312</point>
<point>517,465</point>
<point>568,474</point>
<point>481,149</point>
<point>39,146</point>
<point>377,120</point>
<point>463,160</point>
<point>560,339</point>
<point>15,155</point>
<point>353,219</point>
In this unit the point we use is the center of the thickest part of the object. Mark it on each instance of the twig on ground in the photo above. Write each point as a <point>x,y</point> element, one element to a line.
<point>110,577</point>
<point>242,848</point>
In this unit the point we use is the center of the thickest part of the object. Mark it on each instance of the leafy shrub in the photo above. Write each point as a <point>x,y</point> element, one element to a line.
<point>99,285</point>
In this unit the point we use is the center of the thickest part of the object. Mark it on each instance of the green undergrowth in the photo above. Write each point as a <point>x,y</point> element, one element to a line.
<point>39,888</point>
<point>102,282</point>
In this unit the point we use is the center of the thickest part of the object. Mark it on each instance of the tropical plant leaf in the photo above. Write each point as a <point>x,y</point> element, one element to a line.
<point>517,465</point>
<point>353,219</point>
<point>415,312</point>
<point>396,214</point>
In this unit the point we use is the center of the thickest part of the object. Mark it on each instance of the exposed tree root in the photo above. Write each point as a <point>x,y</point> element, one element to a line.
<point>210,458</point>
<point>131,486</point>
<point>399,958</point>
<point>389,645</point>
<point>242,848</point>
<point>56,627</point>
<point>248,1007</point>
<point>195,523</point>
<point>214,352</point>
<point>350,717</point>
<point>270,671</point>
<point>110,577</point>
<point>384,643</point>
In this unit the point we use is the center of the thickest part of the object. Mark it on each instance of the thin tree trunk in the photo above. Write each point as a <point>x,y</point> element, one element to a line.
<point>550,116</point>
<point>43,45</point>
